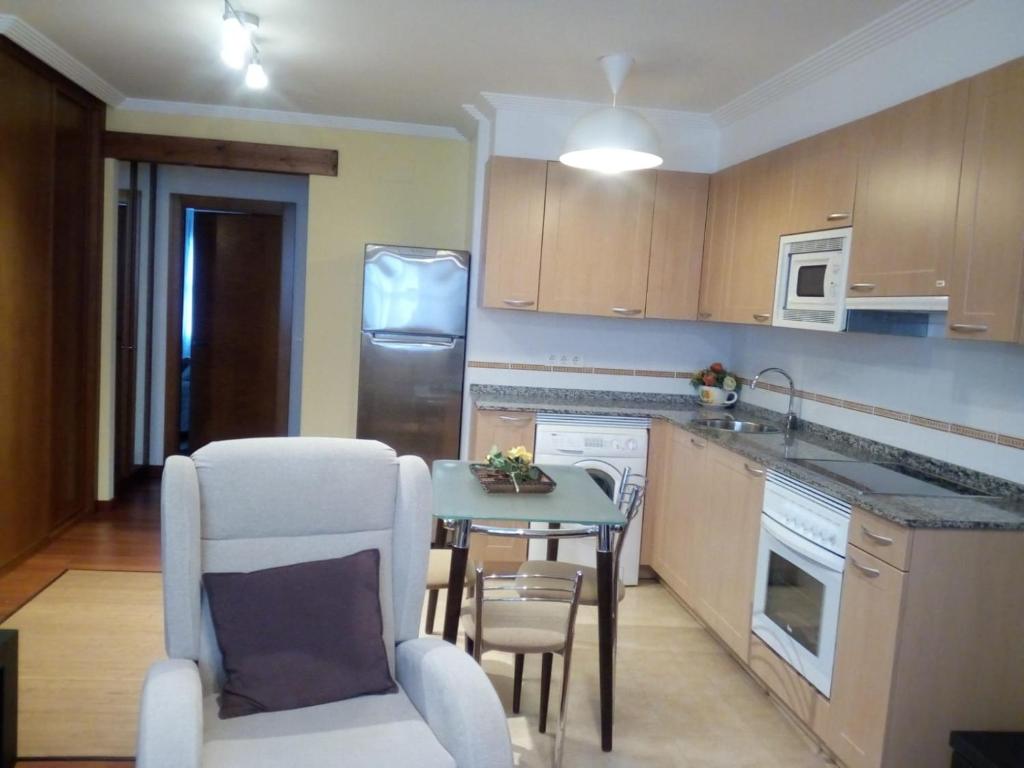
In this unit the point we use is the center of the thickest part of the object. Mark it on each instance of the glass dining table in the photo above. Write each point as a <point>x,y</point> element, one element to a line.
<point>577,501</point>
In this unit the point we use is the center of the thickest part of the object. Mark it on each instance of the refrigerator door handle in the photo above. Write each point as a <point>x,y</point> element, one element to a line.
<point>419,342</point>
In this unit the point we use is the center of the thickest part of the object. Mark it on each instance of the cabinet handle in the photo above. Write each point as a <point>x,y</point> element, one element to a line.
<point>753,470</point>
<point>703,315</point>
<point>697,444</point>
<point>518,302</point>
<point>514,419</point>
<point>626,311</point>
<point>863,287</point>
<point>762,316</point>
<point>871,573</point>
<point>967,328</point>
<point>884,541</point>
<point>837,216</point>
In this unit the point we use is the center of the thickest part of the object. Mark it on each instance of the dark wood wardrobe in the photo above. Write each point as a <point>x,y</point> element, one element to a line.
<point>51,204</point>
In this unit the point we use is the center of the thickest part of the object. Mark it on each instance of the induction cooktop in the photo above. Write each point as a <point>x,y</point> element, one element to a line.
<point>888,478</point>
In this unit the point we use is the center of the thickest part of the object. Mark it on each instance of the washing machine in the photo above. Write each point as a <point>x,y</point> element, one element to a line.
<point>611,449</point>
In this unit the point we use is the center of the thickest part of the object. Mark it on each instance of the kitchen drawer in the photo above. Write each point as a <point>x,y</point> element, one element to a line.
<point>886,540</point>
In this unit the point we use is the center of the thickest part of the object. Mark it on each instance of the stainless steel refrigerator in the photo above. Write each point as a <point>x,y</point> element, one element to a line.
<point>413,349</point>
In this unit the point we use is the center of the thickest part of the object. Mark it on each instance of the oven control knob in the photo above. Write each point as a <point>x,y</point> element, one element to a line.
<point>616,445</point>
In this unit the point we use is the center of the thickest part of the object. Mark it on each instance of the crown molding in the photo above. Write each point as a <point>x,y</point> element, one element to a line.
<point>47,51</point>
<point>900,22</point>
<point>190,109</point>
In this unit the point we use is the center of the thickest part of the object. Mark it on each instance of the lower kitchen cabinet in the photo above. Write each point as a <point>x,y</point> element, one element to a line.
<point>504,429</point>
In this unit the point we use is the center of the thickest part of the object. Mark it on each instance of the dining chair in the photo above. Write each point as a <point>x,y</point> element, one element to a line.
<point>509,613</point>
<point>439,565</point>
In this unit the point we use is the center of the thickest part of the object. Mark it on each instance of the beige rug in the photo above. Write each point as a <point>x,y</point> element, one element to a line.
<point>84,645</point>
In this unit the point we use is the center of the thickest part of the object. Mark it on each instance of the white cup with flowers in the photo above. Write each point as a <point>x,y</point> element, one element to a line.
<point>716,387</point>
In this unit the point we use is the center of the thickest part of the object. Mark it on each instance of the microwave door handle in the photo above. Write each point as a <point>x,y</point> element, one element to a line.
<point>801,546</point>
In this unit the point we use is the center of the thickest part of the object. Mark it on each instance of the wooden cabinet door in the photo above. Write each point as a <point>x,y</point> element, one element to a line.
<point>513,225</point>
<point>986,296</point>
<point>504,429</point>
<point>681,543</point>
<point>719,243</point>
<point>677,245</point>
<point>734,496</point>
<point>824,171</point>
<point>658,496</point>
<point>907,184</point>
<point>597,240</point>
<point>865,651</point>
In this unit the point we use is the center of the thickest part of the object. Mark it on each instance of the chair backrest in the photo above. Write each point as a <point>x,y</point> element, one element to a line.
<point>245,505</point>
<point>524,588</point>
<point>631,501</point>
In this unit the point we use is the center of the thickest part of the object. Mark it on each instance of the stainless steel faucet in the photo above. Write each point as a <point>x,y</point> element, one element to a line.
<point>792,422</point>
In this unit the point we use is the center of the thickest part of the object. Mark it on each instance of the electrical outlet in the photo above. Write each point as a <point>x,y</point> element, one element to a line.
<point>577,359</point>
<point>553,359</point>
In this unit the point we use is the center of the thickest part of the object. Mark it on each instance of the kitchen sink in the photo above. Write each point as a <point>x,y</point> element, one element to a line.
<point>731,425</point>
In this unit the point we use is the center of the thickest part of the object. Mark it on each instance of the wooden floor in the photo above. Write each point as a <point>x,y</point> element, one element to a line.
<point>123,536</point>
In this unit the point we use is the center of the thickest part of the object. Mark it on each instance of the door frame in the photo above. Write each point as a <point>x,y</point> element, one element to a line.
<point>175,289</point>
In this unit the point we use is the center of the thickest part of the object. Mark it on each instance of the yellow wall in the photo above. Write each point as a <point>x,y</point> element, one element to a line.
<point>389,189</point>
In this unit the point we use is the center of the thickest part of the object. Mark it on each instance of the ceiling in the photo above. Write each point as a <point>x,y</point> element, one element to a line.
<point>418,61</point>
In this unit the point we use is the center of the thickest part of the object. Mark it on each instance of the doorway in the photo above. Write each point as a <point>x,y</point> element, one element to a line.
<point>230,286</point>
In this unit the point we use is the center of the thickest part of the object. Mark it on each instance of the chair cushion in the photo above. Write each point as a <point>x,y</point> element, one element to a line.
<point>366,732</point>
<point>299,635</point>
<point>438,568</point>
<point>588,589</point>
<point>519,627</point>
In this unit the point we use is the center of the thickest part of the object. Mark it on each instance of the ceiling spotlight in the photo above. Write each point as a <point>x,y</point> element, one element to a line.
<point>237,36</point>
<point>255,76</point>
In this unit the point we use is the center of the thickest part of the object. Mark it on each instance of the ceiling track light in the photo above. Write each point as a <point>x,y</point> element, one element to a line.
<point>238,45</point>
<point>612,139</point>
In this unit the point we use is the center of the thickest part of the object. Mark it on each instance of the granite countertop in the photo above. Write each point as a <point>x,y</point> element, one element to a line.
<point>1001,508</point>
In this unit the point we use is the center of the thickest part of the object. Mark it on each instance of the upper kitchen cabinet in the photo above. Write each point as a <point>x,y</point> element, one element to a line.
<point>824,174</point>
<point>719,242</point>
<point>907,183</point>
<point>677,244</point>
<point>987,283</point>
<point>597,240</point>
<point>514,226</point>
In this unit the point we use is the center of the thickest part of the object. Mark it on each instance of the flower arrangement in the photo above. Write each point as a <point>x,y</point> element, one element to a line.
<point>516,464</point>
<point>715,375</point>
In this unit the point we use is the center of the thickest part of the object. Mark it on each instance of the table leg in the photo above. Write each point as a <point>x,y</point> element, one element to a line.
<point>553,543</point>
<point>456,580</point>
<point>606,633</point>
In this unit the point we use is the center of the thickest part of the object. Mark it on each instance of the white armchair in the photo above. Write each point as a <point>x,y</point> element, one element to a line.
<point>244,505</point>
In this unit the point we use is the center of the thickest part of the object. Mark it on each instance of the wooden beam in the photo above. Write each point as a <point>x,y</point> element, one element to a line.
<point>214,153</point>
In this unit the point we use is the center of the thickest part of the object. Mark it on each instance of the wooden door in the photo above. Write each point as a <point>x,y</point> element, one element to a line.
<point>597,241</point>
<point>504,430</point>
<point>677,245</point>
<point>241,336</point>
<point>907,185</point>
<point>719,243</point>
<point>735,493</point>
<point>824,181</point>
<point>658,496</point>
<point>125,330</point>
<point>513,226</point>
<point>26,185</point>
<point>865,654</point>
<point>986,296</point>
<point>680,547</point>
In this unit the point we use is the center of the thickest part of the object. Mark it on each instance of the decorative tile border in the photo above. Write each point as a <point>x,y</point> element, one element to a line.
<point>961,430</point>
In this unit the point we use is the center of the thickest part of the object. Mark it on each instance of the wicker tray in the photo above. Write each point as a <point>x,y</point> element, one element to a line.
<point>494,481</point>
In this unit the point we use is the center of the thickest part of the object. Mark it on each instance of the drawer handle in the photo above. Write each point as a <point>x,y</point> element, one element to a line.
<point>703,315</point>
<point>884,541</point>
<point>967,328</point>
<point>837,216</point>
<point>697,444</point>
<point>626,311</point>
<point>515,419</point>
<point>753,470</point>
<point>871,573</point>
<point>762,316</point>
<point>518,302</point>
<point>863,287</point>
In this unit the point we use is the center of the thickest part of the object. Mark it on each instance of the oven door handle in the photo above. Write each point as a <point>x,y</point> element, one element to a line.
<point>800,545</point>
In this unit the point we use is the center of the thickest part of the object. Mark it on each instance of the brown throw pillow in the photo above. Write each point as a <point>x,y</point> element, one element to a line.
<point>300,634</point>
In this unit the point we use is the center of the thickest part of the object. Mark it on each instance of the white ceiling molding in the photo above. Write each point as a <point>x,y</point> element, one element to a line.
<point>291,118</point>
<point>675,118</point>
<point>899,22</point>
<point>47,51</point>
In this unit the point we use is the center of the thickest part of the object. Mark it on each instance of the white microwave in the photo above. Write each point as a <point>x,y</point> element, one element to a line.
<point>811,281</point>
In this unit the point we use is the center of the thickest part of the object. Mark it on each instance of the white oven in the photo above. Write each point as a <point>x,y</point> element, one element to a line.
<point>811,280</point>
<point>800,576</point>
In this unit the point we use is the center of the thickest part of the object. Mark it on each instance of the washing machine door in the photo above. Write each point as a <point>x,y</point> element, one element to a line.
<point>607,476</point>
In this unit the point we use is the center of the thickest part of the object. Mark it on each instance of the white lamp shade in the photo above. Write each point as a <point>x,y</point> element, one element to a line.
<point>612,140</point>
<point>256,76</point>
<point>235,43</point>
